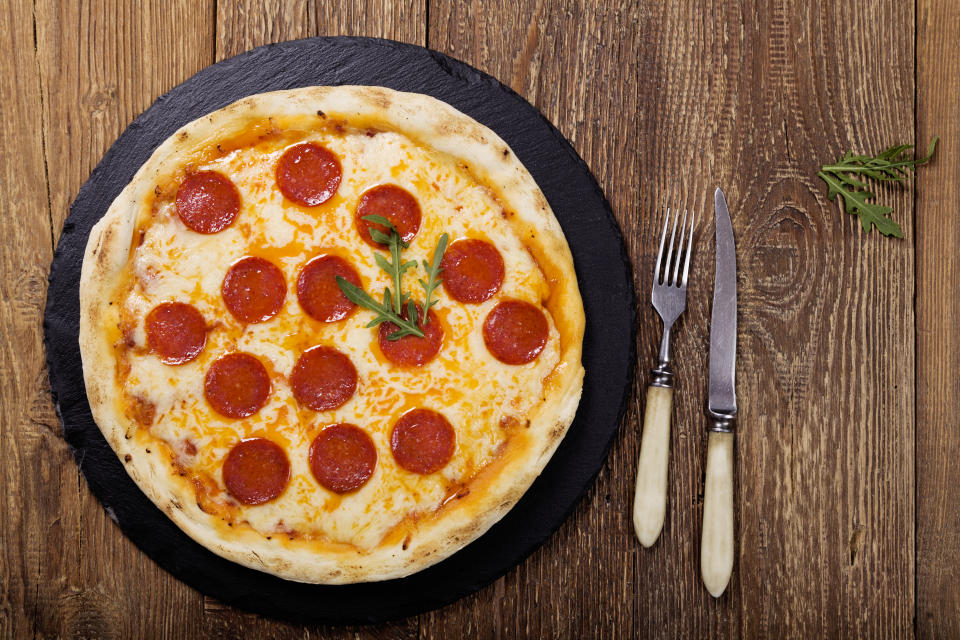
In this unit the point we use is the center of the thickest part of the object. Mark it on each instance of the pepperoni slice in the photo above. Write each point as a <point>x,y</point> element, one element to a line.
<point>253,289</point>
<point>393,203</point>
<point>176,332</point>
<point>323,379</point>
<point>342,458</point>
<point>411,351</point>
<point>515,332</point>
<point>256,471</point>
<point>422,441</point>
<point>308,173</point>
<point>236,385</point>
<point>472,270</point>
<point>207,202</point>
<point>318,292</point>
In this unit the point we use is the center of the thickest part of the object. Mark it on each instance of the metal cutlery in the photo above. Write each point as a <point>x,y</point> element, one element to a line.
<point>669,298</point>
<point>716,545</point>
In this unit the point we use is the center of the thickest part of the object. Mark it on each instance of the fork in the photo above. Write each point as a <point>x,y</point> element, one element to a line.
<point>669,298</point>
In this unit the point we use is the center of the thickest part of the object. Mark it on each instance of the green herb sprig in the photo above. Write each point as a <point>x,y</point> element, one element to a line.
<point>384,311</point>
<point>892,165</point>
<point>391,309</point>
<point>396,267</point>
<point>433,270</point>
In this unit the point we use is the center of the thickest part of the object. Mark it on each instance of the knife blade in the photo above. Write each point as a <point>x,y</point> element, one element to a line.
<point>722,401</point>
<point>716,542</point>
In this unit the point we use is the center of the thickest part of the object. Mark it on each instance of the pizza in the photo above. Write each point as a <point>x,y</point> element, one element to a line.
<point>334,333</point>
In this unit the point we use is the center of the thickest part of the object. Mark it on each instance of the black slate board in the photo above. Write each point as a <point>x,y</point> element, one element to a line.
<point>603,273</point>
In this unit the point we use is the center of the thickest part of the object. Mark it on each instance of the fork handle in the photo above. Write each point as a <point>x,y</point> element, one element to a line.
<point>716,545</point>
<point>650,500</point>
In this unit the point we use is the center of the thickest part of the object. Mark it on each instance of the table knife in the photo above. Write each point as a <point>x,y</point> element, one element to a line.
<point>716,544</point>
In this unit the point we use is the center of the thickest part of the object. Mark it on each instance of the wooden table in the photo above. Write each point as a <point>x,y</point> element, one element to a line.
<point>848,510</point>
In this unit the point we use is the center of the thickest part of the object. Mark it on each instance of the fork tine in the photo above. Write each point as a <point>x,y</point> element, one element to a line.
<point>686,263</point>
<point>676,267</point>
<point>663,236</point>
<point>666,271</point>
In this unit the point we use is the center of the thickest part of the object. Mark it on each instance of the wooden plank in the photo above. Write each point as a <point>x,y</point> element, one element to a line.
<point>937,229</point>
<point>100,65</point>
<point>251,23</point>
<point>825,507</point>
<point>27,423</point>
<point>405,21</point>
<point>827,514</point>
<point>221,621</point>
<point>247,24</point>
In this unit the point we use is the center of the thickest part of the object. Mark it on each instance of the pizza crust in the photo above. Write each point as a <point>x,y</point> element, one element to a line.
<point>496,489</point>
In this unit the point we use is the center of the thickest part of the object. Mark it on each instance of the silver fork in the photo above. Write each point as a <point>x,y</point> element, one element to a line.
<point>669,298</point>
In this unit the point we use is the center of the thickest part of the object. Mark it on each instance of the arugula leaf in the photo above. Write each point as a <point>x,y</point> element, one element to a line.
<point>394,267</point>
<point>855,201</point>
<point>891,165</point>
<point>380,236</point>
<point>433,270</point>
<point>385,312</point>
<point>394,301</point>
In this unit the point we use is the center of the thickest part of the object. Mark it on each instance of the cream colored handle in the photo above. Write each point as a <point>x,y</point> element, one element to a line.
<point>650,500</point>
<point>716,546</point>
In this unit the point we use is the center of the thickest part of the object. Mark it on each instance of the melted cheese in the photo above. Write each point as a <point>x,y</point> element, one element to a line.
<point>464,382</point>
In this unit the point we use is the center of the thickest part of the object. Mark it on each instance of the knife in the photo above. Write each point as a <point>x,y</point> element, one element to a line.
<point>716,544</point>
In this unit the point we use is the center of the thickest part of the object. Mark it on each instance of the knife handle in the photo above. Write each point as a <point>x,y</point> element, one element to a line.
<point>716,545</point>
<point>650,500</point>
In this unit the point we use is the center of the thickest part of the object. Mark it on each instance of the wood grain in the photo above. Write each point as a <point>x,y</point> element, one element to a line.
<point>247,24</point>
<point>937,229</point>
<point>827,360</point>
<point>847,384</point>
<point>99,65</point>
<point>251,23</point>
<point>404,21</point>
<point>27,425</point>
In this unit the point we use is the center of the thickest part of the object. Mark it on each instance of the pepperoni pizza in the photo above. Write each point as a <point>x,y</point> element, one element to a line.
<point>333,332</point>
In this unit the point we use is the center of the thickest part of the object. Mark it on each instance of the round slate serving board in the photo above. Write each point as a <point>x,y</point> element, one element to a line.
<point>603,272</point>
